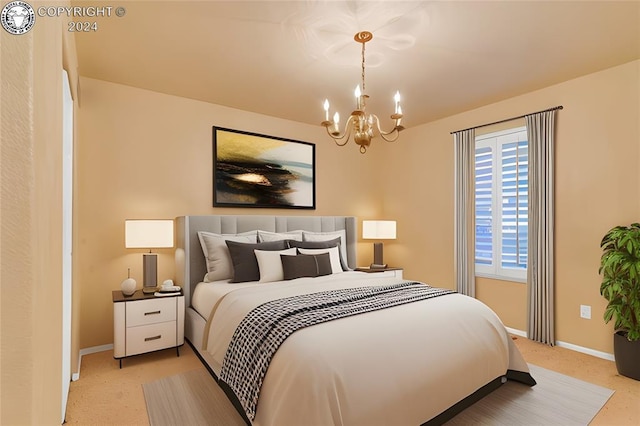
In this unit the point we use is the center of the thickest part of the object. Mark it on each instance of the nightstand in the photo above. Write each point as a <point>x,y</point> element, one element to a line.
<point>145,323</point>
<point>384,272</point>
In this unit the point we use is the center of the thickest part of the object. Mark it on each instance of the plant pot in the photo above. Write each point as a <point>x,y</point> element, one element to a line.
<point>627,355</point>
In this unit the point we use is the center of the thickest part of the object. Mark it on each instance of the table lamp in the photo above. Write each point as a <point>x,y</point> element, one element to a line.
<point>149,234</point>
<point>378,230</point>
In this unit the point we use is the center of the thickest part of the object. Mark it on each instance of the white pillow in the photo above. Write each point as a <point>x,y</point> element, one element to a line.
<point>334,256</point>
<point>216,253</point>
<point>270,264</point>
<point>325,236</point>
<point>278,236</point>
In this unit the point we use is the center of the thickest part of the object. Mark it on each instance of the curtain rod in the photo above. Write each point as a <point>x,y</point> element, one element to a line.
<point>509,119</point>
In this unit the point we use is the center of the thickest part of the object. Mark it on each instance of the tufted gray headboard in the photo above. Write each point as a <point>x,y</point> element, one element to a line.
<point>190,262</point>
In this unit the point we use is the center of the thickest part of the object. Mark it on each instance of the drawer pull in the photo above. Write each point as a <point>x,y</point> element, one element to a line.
<point>152,313</point>
<point>147,339</point>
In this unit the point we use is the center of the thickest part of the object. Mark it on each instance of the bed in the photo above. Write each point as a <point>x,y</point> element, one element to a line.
<point>342,347</point>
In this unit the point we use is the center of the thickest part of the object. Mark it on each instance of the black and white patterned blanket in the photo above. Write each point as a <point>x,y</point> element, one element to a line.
<point>267,326</point>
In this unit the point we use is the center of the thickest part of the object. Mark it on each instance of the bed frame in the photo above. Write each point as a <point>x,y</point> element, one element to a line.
<point>191,268</point>
<point>190,262</point>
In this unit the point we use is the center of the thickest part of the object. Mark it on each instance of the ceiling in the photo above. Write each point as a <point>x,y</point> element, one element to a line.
<point>283,58</point>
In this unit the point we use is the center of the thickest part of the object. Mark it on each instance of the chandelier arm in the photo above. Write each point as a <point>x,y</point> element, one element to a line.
<point>345,135</point>
<point>384,134</point>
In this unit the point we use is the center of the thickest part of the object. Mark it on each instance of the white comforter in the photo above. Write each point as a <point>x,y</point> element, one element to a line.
<point>397,366</point>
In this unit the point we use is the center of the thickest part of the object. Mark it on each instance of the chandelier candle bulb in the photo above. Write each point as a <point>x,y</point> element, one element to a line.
<point>397,99</point>
<point>336,121</point>
<point>326,110</point>
<point>358,95</point>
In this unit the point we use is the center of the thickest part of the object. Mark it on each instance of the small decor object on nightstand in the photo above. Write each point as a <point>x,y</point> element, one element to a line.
<point>128,286</point>
<point>168,287</point>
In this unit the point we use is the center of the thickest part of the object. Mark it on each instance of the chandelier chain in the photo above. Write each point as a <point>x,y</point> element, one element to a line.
<point>363,88</point>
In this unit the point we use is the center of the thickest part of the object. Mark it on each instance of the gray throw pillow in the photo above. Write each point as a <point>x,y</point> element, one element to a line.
<point>305,265</point>
<point>245,264</point>
<point>320,245</point>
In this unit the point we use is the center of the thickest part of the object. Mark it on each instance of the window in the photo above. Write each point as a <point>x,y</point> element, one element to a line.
<point>501,201</point>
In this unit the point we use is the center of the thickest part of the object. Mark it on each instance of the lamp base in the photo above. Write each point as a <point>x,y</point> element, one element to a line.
<point>378,266</point>
<point>377,254</point>
<point>149,273</point>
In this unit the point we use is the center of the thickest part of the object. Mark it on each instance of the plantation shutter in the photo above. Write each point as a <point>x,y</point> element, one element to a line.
<point>484,207</point>
<point>514,204</point>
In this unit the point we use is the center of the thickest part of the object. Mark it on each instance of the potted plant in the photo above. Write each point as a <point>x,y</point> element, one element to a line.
<point>620,269</point>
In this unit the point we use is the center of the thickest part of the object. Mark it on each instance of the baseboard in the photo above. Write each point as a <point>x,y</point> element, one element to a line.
<point>87,351</point>
<point>570,346</point>
<point>517,332</point>
<point>588,351</point>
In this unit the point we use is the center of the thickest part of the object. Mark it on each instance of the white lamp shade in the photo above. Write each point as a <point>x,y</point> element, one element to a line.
<point>379,229</point>
<point>148,233</point>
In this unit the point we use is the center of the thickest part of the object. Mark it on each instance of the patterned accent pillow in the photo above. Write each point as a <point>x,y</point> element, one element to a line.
<point>305,265</point>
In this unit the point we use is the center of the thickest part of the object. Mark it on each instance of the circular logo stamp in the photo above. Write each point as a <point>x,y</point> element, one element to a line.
<point>17,17</point>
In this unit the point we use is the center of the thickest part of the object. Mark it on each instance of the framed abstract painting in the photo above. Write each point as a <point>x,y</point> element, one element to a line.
<point>254,170</point>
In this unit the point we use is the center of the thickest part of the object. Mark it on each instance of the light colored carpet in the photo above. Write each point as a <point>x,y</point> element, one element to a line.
<point>194,398</point>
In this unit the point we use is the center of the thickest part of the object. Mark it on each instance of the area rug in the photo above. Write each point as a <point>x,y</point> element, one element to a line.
<point>556,400</point>
<point>194,398</point>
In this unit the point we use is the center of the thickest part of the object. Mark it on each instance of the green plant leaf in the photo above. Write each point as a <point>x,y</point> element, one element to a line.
<point>620,270</point>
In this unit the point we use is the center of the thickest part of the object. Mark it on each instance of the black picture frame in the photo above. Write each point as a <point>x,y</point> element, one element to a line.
<point>261,171</point>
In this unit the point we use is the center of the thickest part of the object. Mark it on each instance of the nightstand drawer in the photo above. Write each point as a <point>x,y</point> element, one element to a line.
<point>149,338</point>
<point>150,311</point>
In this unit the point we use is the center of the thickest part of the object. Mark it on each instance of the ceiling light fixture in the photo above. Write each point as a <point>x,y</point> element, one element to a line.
<point>362,124</point>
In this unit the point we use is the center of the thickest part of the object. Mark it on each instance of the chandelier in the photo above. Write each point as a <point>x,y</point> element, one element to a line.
<point>363,125</point>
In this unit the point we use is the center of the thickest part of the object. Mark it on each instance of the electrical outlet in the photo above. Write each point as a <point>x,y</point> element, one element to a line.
<point>585,311</point>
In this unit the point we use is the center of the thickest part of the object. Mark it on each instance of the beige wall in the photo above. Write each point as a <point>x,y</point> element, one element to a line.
<point>142,154</point>
<point>597,187</point>
<point>31,226</point>
<point>146,155</point>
